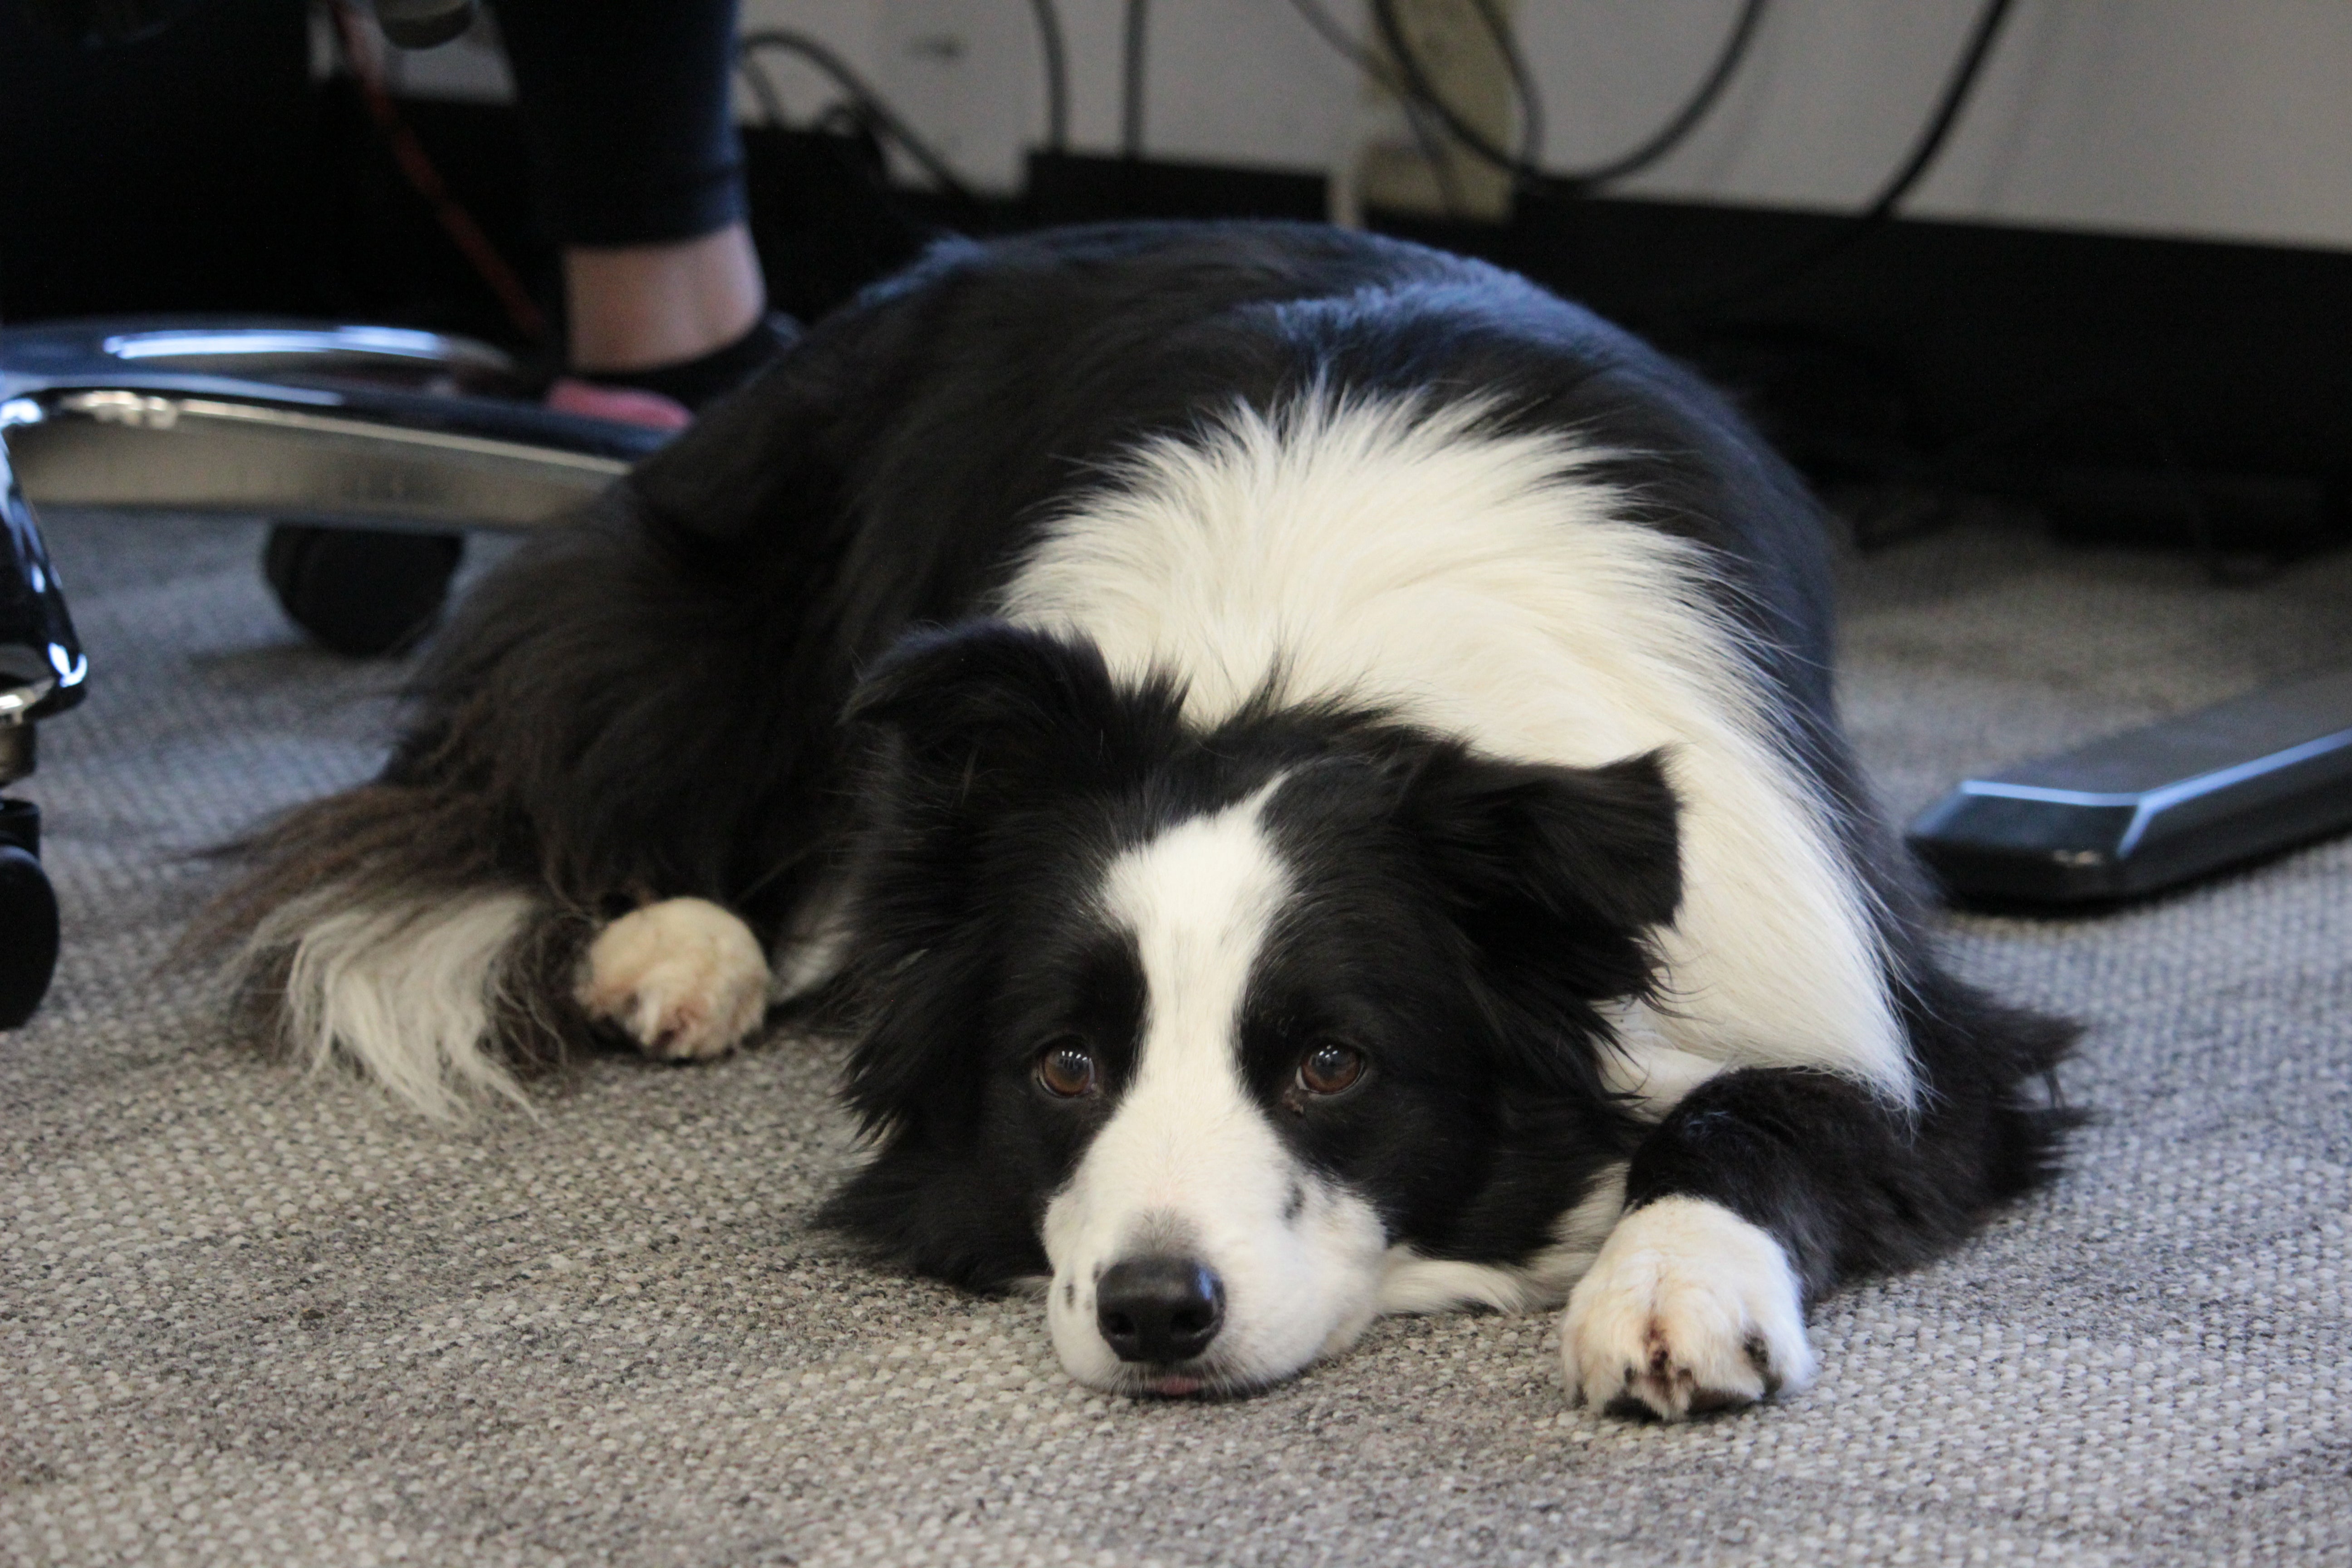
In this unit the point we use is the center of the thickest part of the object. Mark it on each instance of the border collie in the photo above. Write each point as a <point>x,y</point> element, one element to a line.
<point>1309,767</point>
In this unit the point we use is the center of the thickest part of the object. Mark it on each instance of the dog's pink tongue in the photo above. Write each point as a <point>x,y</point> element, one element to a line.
<point>1177,1387</point>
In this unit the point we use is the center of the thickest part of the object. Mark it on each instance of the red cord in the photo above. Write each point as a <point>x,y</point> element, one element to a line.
<point>367,69</point>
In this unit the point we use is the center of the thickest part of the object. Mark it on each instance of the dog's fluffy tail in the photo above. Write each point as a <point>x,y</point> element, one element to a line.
<point>600,724</point>
<point>370,930</point>
<point>407,991</point>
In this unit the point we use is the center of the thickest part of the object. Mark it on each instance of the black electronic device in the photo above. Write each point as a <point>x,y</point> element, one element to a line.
<point>2145,810</point>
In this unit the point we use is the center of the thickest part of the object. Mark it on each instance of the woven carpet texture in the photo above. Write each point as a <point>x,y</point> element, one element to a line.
<point>247,1316</point>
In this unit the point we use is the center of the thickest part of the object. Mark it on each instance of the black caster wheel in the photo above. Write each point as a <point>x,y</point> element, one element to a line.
<point>29,914</point>
<point>360,592</point>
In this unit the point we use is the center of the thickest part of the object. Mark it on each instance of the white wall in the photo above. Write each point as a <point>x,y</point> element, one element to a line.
<point>2229,118</point>
<point>2212,118</point>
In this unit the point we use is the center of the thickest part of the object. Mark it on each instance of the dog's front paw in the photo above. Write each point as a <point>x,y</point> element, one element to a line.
<point>682,978</point>
<point>1688,1308</point>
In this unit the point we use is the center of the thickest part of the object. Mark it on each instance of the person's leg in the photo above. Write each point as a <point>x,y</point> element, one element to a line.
<point>637,306</point>
<point>625,107</point>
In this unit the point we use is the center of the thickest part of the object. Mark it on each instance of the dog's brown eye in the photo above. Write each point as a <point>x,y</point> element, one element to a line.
<point>1066,1070</point>
<point>1330,1067</point>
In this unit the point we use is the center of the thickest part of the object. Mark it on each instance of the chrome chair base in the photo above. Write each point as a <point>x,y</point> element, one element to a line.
<point>318,426</point>
<point>343,426</point>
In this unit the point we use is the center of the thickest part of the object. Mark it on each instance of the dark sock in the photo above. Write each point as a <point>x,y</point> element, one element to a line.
<point>696,382</point>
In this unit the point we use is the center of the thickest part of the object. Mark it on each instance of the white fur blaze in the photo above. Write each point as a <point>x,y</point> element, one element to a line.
<point>683,978</point>
<point>1188,1160</point>
<point>1687,1309</point>
<point>405,991</point>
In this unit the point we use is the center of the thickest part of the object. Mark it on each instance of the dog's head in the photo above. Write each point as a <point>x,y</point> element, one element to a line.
<point>1206,1027</point>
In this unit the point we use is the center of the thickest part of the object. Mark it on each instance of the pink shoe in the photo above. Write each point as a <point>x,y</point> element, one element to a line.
<point>623,404</point>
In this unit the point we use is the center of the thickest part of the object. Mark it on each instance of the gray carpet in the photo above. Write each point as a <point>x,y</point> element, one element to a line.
<point>248,1317</point>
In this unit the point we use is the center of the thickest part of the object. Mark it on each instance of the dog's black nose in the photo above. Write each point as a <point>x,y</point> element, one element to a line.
<point>1159,1308</point>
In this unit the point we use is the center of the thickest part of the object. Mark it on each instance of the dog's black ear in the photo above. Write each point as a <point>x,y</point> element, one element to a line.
<point>1565,868</point>
<point>995,702</point>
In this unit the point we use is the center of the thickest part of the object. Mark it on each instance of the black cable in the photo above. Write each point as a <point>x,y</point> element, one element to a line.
<point>1421,89</point>
<point>1957,88</point>
<point>1696,107</point>
<point>1336,38</point>
<point>870,105</point>
<point>1131,78</point>
<point>1054,59</point>
<point>755,81</point>
<point>1522,81</point>
<point>1924,152</point>
<point>1579,182</point>
<point>1376,71</point>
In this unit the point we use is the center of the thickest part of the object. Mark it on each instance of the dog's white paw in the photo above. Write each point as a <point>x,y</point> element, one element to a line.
<point>1688,1308</point>
<point>683,978</point>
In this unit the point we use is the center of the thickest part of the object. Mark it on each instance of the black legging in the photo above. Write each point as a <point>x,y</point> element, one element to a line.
<point>624,103</point>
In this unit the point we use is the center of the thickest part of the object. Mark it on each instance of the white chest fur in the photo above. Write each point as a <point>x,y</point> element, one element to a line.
<point>1478,586</point>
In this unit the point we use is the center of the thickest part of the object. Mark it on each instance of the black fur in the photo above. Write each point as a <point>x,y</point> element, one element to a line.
<point>649,705</point>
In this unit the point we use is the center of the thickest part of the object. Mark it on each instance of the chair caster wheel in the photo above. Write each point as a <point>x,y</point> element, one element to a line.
<point>29,914</point>
<point>360,592</point>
